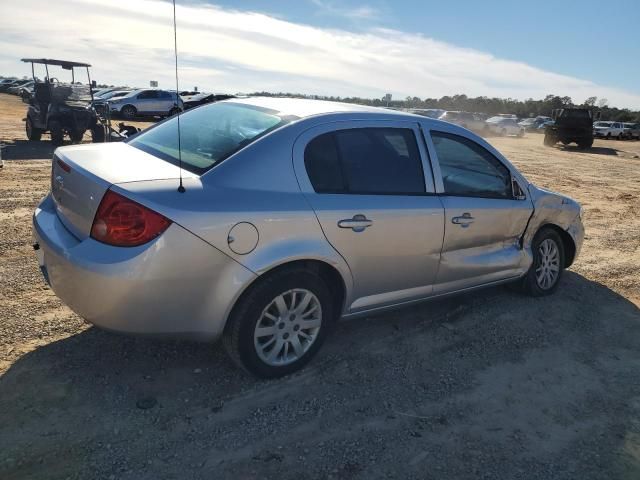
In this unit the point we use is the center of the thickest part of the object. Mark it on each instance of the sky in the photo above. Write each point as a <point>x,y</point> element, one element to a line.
<point>346,48</point>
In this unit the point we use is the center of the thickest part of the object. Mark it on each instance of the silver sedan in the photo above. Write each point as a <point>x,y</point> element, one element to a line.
<point>290,215</point>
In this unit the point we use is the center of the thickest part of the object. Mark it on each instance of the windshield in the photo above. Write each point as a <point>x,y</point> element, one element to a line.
<point>208,134</point>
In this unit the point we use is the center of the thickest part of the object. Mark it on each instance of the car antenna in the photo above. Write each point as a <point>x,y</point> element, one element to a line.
<point>181,188</point>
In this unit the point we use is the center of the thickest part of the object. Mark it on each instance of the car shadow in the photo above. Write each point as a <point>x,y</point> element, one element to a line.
<point>87,403</point>
<point>592,150</point>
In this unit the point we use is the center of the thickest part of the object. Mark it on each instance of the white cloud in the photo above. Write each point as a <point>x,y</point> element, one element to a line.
<point>225,50</point>
<point>361,12</point>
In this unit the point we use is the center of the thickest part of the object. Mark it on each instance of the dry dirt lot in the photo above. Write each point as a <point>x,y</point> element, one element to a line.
<point>489,385</point>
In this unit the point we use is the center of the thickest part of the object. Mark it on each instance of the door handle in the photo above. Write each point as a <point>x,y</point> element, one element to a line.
<point>358,223</point>
<point>464,221</point>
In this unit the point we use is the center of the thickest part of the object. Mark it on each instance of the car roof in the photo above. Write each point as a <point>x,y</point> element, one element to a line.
<point>302,107</point>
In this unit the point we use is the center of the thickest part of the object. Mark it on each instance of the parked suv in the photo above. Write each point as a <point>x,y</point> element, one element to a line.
<point>464,119</point>
<point>608,130</point>
<point>147,102</point>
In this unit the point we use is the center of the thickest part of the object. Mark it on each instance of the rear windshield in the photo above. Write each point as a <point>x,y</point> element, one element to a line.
<point>208,134</point>
<point>576,114</point>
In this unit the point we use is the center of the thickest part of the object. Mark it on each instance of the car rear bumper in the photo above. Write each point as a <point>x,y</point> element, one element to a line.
<point>176,285</point>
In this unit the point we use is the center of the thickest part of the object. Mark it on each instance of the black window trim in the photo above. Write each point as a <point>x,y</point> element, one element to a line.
<point>345,180</point>
<point>492,197</point>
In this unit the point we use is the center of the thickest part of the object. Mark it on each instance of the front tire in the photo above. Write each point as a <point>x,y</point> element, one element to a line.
<point>279,324</point>
<point>33,133</point>
<point>546,269</point>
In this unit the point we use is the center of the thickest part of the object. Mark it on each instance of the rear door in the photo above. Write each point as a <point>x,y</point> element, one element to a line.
<point>166,101</point>
<point>486,213</point>
<point>366,182</point>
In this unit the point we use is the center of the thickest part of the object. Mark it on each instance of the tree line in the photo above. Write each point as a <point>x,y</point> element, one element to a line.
<point>490,106</point>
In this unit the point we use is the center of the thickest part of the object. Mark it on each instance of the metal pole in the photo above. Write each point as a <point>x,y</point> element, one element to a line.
<point>90,86</point>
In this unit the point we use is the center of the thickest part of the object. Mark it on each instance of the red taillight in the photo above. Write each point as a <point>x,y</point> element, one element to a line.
<point>125,223</point>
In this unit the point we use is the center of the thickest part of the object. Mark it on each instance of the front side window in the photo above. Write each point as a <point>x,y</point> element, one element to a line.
<point>470,170</point>
<point>365,161</point>
<point>209,134</point>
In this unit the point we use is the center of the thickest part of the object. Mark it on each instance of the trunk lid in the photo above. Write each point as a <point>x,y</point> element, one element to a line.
<point>81,174</point>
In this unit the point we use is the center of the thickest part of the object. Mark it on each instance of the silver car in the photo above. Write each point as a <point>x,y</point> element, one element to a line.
<point>291,214</point>
<point>151,101</point>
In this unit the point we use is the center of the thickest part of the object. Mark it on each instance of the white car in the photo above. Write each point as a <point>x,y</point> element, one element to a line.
<point>464,119</point>
<point>608,130</point>
<point>504,126</point>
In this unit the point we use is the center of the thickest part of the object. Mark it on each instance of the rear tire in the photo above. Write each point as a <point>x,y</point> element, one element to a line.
<point>97,134</point>
<point>251,351</point>
<point>585,144</point>
<point>34,134</point>
<point>76,137</point>
<point>57,133</point>
<point>546,269</point>
<point>129,112</point>
<point>174,111</point>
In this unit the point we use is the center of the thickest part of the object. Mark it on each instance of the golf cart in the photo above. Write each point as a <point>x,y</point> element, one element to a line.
<point>61,108</point>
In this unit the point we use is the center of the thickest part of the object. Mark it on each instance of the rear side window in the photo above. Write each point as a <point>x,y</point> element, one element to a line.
<point>148,94</point>
<point>209,134</point>
<point>365,161</point>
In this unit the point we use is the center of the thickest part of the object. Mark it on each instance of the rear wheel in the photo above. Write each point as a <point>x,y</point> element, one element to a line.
<point>33,133</point>
<point>608,136</point>
<point>56,131</point>
<point>174,111</point>
<point>549,140</point>
<point>129,112</point>
<point>97,134</point>
<point>584,144</point>
<point>280,323</point>
<point>548,264</point>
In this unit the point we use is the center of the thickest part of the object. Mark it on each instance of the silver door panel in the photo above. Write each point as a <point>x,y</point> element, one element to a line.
<point>394,250</point>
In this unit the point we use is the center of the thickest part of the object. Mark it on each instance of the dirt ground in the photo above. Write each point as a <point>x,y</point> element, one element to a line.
<point>490,385</point>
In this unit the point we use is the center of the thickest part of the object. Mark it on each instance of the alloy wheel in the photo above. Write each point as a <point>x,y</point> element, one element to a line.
<point>548,269</point>
<point>288,327</point>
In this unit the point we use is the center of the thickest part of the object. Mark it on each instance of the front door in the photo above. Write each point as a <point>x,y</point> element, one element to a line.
<point>484,220</point>
<point>376,206</point>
